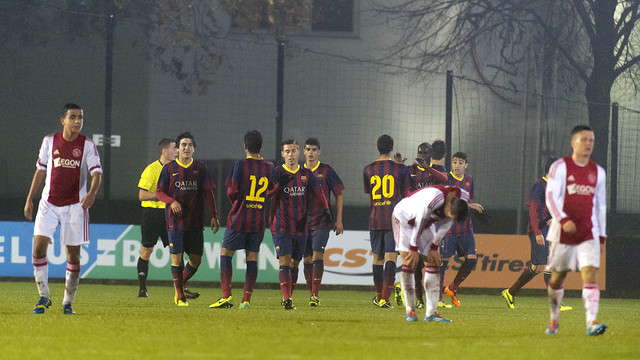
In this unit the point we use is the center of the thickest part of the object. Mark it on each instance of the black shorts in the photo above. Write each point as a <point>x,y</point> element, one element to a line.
<point>153,227</point>
<point>382,241</point>
<point>539,253</point>
<point>191,242</point>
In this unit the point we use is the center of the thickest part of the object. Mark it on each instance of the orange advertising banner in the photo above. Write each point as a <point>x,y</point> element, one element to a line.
<point>501,259</point>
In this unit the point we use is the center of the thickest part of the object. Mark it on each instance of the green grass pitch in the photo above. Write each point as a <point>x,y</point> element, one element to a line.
<point>112,323</point>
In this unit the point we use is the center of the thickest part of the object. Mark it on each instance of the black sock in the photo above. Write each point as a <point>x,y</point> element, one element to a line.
<point>143,270</point>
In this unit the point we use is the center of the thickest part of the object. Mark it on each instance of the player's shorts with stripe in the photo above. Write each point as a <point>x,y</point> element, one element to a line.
<point>153,226</point>
<point>382,241</point>
<point>539,253</point>
<point>191,242</point>
<point>402,235</point>
<point>72,219</point>
<point>289,245</point>
<point>316,241</point>
<point>564,257</point>
<point>462,245</point>
<point>235,240</point>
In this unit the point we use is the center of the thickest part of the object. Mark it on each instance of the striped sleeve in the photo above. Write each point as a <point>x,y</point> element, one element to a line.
<point>556,187</point>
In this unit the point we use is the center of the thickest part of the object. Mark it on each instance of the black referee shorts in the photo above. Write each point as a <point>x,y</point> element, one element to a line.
<point>153,227</point>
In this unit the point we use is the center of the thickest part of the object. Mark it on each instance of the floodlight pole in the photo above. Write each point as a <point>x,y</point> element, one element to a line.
<point>108,103</point>
<point>279,98</point>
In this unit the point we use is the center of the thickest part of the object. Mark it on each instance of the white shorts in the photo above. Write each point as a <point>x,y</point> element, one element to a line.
<point>402,236</point>
<point>73,221</point>
<point>564,257</point>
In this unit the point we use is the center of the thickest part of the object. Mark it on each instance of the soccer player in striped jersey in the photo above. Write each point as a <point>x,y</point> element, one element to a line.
<point>539,220</point>
<point>438,154</point>
<point>386,182</point>
<point>416,235</point>
<point>460,238</point>
<point>576,196</point>
<point>318,229</point>
<point>291,201</point>
<point>185,185</point>
<point>64,160</point>
<point>153,224</point>
<point>249,183</point>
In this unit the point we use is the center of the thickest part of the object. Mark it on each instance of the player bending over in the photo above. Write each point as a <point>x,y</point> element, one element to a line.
<point>420,222</point>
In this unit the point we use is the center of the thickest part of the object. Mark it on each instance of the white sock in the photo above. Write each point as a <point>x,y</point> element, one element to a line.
<point>408,281</point>
<point>72,279</point>
<point>431,280</point>
<point>591,299</point>
<point>41,275</point>
<point>555,299</point>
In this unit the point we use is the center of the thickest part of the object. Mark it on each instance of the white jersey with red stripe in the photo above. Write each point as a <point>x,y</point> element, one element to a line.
<point>424,208</point>
<point>67,164</point>
<point>578,193</point>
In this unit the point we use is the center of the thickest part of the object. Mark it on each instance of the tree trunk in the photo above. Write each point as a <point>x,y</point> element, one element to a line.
<point>598,94</point>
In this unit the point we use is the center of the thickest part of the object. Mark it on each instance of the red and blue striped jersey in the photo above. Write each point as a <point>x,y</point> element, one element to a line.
<point>386,182</point>
<point>248,184</point>
<point>187,185</point>
<point>538,212</point>
<point>329,183</point>
<point>421,177</point>
<point>291,202</point>
<point>464,183</point>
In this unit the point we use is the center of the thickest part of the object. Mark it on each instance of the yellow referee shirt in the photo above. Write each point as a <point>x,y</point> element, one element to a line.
<point>149,182</point>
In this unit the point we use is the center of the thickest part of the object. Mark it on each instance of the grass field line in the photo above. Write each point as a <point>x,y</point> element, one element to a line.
<point>126,231</point>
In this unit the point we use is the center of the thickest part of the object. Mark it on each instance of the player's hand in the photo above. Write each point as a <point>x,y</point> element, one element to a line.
<point>176,208</point>
<point>433,258</point>
<point>215,225</point>
<point>540,240</point>
<point>284,179</point>
<point>549,222</point>
<point>328,218</point>
<point>338,227</point>
<point>477,207</point>
<point>569,227</point>
<point>411,259</point>
<point>398,158</point>
<point>88,200</point>
<point>422,162</point>
<point>28,210</point>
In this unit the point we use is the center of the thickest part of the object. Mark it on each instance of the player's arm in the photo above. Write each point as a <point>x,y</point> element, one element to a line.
<point>554,196</point>
<point>338,227</point>
<point>232,182</point>
<point>601,204</point>
<point>161,192</point>
<point>318,195</point>
<point>438,176</point>
<point>146,195</point>
<point>90,198</point>
<point>536,204</point>
<point>211,203</point>
<point>36,185</point>
<point>405,181</point>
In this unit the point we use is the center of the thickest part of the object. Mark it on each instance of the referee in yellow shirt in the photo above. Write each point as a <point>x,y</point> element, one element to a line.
<point>153,218</point>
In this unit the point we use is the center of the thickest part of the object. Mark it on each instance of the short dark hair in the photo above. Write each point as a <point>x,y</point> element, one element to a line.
<point>70,106</point>
<point>439,149</point>
<point>385,144</point>
<point>459,209</point>
<point>253,141</point>
<point>185,135</point>
<point>580,128</point>
<point>548,162</point>
<point>288,142</point>
<point>460,155</point>
<point>313,142</point>
<point>163,144</point>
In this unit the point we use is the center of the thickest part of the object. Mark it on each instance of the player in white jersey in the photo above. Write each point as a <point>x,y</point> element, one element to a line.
<point>65,160</point>
<point>577,200</point>
<point>420,222</point>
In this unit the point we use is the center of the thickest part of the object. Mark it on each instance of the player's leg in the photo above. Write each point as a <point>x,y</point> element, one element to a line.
<point>562,258</point>
<point>298,247</point>
<point>539,255</point>
<point>143,270</point>
<point>319,239</point>
<point>401,235</point>
<point>389,275</point>
<point>467,248</point>
<point>72,278</point>
<point>377,248</point>
<point>284,244</point>
<point>252,248</point>
<point>589,260</point>
<point>308,264</point>
<point>44,227</point>
<point>418,280</point>
<point>152,227</point>
<point>176,239</point>
<point>194,247</point>
<point>447,250</point>
<point>432,288</point>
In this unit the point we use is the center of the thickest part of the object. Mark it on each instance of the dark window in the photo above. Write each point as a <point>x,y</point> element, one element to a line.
<point>332,15</point>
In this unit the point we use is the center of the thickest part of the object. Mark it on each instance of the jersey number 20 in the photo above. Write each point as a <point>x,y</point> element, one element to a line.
<point>386,183</point>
